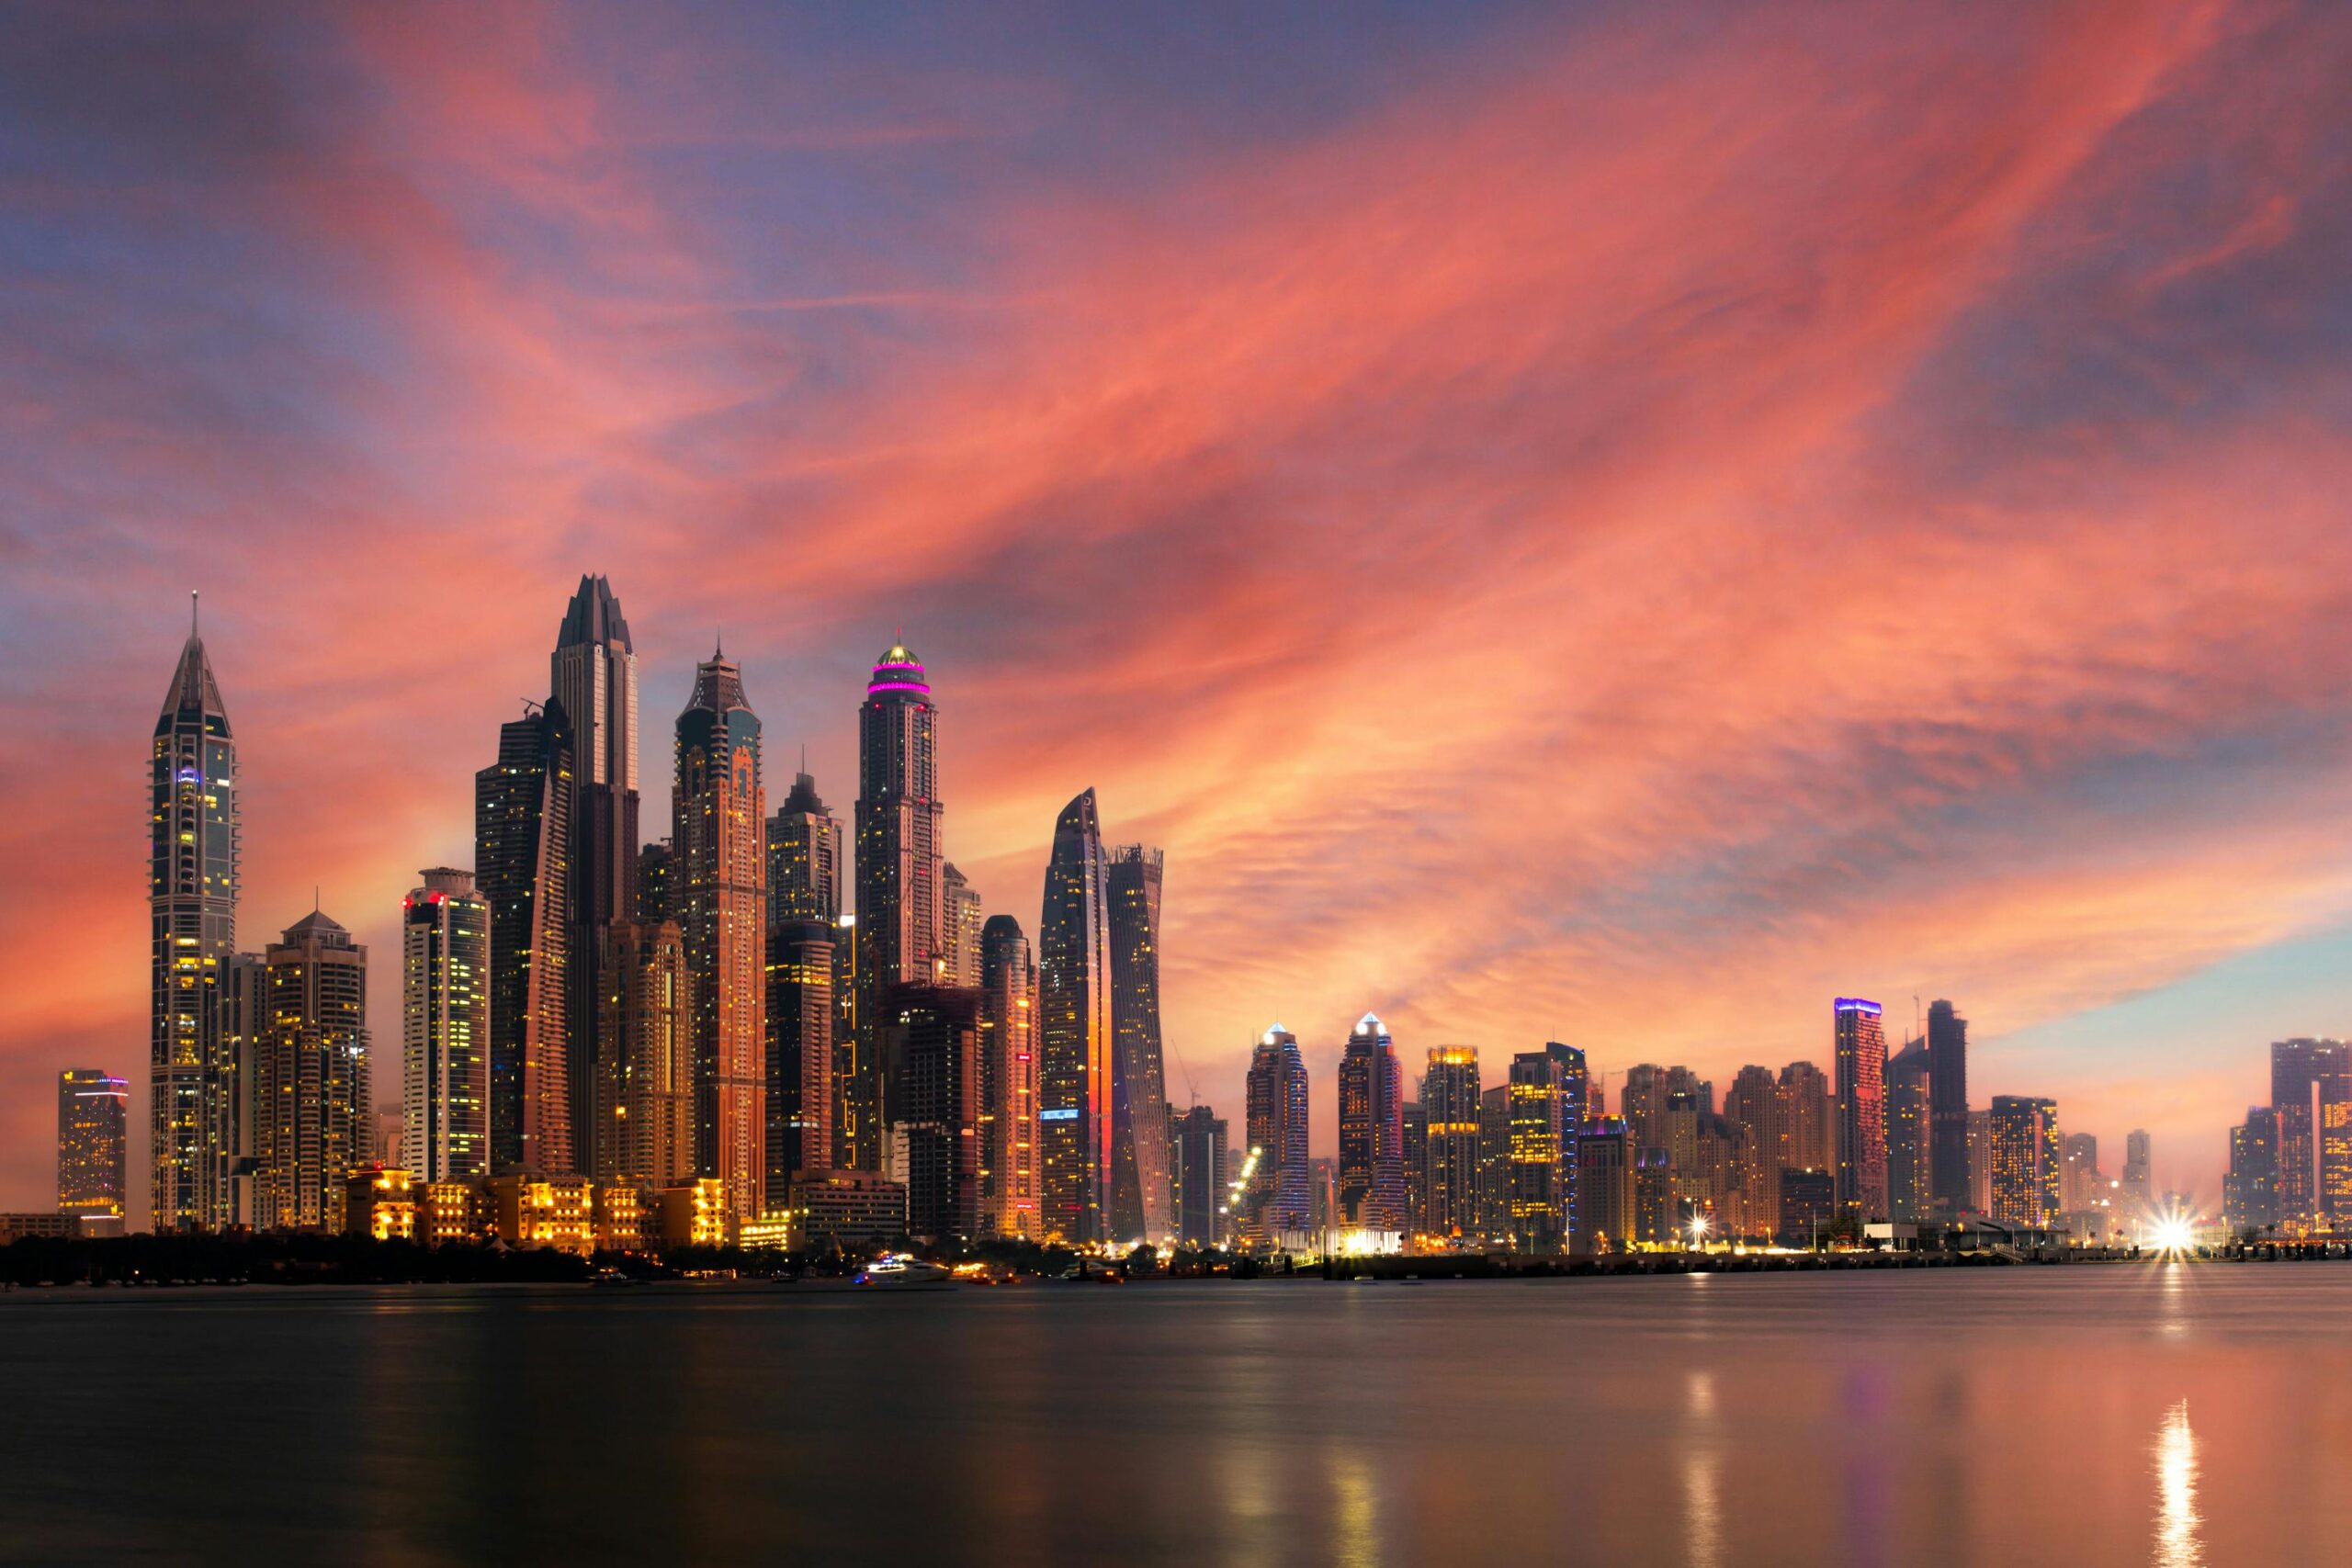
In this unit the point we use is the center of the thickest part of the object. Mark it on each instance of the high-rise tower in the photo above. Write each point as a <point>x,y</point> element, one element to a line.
<point>2310,1086</point>
<point>311,1097</point>
<point>1910,1095</point>
<point>803,909</point>
<point>192,897</point>
<point>93,1117</point>
<point>1449,1099</point>
<point>646,1087</point>
<point>445,1029</point>
<point>1007,1072</point>
<point>593,678</point>
<point>1372,1129</point>
<point>1139,1191</point>
<point>522,849</point>
<point>1862,1109</point>
<point>1074,1029</point>
<point>900,854</point>
<point>1948,1187</point>
<point>1279,1198</point>
<point>720,837</point>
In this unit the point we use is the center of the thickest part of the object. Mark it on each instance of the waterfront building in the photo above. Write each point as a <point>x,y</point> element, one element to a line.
<point>901,869</point>
<point>1808,1205</point>
<point>1656,1209</point>
<point>449,1212</point>
<point>1753,1102</point>
<point>800,1051</point>
<point>960,920</point>
<point>658,896</point>
<point>1980,1160</point>
<point>1139,1159</point>
<point>522,849</point>
<point>1648,1092</point>
<point>1910,1095</point>
<point>1808,1115</point>
<point>1196,1146</point>
<point>311,1090</point>
<point>544,1211</point>
<point>593,676</point>
<point>1372,1130</point>
<point>193,866</point>
<point>1548,1095</point>
<point>93,1140</point>
<point>700,1212</point>
<point>380,1201</point>
<point>850,1208</point>
<point>644,1098</point>
<point>1450,1107</point>
<point>445,1029</point>
<point>1605,1183</point>
<point>719,825</point>
<point>857,1082</point>
<point>2307,1075</point>
<point>930,1045</point>
<point>622,1217</point>
<point>1721,1176</point>
<point>2137,1187</point>
<point>1008,1075</point>
<point>1494,1162</point>
<point>1948,1183</point>
<point>1074,1031</point>
<point>1860,1129</point>
<point>2025,1160</point>
<point>245,1026</point>
<point>2250,1190</point>
<point>1416,1172</point>
<point>1279,1199</point>
<point>2081,1186</point>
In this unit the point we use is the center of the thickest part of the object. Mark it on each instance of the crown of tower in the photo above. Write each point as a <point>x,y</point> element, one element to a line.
<point>898,671</point>
<point>595,616</point>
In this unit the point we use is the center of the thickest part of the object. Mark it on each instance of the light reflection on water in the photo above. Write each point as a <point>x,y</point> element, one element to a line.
<point>1944,1417</point>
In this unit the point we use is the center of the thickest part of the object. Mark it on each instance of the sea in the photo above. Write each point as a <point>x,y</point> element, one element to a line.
<point>2165,1412</point>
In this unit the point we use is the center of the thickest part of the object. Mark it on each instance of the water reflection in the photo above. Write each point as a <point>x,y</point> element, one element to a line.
<point>1356,1511</point>
<point>1702,1508</point>
<point>2177,1521</point>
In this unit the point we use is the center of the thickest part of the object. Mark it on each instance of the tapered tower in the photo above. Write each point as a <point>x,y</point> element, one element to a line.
<point>900,868</point>
<point>1074,1031</point>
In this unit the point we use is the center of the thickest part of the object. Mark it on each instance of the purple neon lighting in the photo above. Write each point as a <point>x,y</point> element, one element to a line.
<point>898,686</point>
<point>1856,1004</point>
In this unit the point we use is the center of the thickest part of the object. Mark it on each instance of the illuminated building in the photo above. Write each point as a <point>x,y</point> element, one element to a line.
<point>2250,1190</point>
<point>1372,1130</point>
<point>2081,1186</point>
<point>1544,1128</point>
<point>43,1223</point>
<point>623,1221</point>
<point>2026,1155</point>
<point>1754,1102</point>
<point>959,917</point>
<point>930,1045</point>
<point>2305,1074</point>
<point>1196,1176</point>
<point>310,1105</point>
<point>1417,1168</point>
<point>1138,1090</point>
<point>380,1201</point>
<point>449,1212</point>
<point>93,1113</point>
<point>1074,1029</point>
<point>445,1029</point>
<point>192,901</point>
<point>1861,1127</point>
<point>1948,1184</point>
<point>645,1091</point>
<point>1007,1072</point>
<point>522,848</point>
<point>1720,1177</point>
<point>1654,1207</point>
<point>719,812</point>
<point>1980,1161</point>
<point>592,674</point>
<point>857,1082</point>
<point>1450,1105</point>
<point>1649,1092</point>
<point>1605,1183</point>
<point>804,858</point>
<point>800,1051</point>
<point>1280,1198</point>
<point>695,1213</point>
<point>900,877</point>
<point>657,883</point>
<point>851,1208</point>
<point>1494,1162</point>
<point>544,1211</point>
<point>1909,1095</point>
<point>1807,1112</point>
<point>1808,1205</point>
<point>2138,1185</point>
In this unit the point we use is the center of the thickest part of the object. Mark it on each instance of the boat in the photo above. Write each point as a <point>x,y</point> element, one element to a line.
<point>904,1271</point>
<point>607,1279</point>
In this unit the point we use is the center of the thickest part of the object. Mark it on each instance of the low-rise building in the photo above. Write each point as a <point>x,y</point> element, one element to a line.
<point>380,1201</point>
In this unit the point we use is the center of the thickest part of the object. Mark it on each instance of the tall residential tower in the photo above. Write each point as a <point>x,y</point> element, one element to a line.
<point>900,891</point>
<point>1074,1029</point>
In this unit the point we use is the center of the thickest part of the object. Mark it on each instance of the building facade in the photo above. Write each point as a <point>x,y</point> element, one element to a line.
<point>1074,1031</point>
<point>646,1099</point>
<point>92,1143</point>
<point>900,868</point>
<point>1860,1043</point>
<point>2025,1157</point>
<point>1910,1093</point>
<point>1008,1069</point>
<point>1196,1177</point>
<point>1948,1185</point>
<point>2250,1190</point>
<point>445,1029</point>
<point>1139,1156</point>
<point>959,915</point>
<point>194,1096</point>
<point>310,1088</point>
<point>929,1042</point>
<point>1278,1199</point>
<point>1371,1191</point>
<point>1450,1102</point>
<point>522,849</point>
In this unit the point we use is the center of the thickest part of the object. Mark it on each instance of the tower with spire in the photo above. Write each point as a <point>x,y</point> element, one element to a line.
<point>192,897</point>
<point>719,833</point>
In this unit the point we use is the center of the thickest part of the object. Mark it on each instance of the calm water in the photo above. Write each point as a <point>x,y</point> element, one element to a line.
<point>2166,1415</point>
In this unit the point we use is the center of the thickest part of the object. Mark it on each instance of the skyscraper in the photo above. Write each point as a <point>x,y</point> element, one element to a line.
<point>929,1042</point>
<point>658,896</point>
<point>1546,1123</point>
<point>1450,1100</point>
<point>900,874</point>
<point>804,858</point>
<point>1372,1130</point>
<point>1754,1102</point>
<point>445,1029</point>
<point>2306,1075</point>
<point>522,849</point>
<point>1279,1198</point>
<point>959,915</point>
<point>1909,1098</point>
<point>1008,1069</point>
<point>1605,1184</point>
<point>594,680</point>
<point>93,1115</point>
<point>2026,1157</point>
<point>1808,1118</point>
<point>1862,1109</point>
<point>2139,1193</point>
<point>311,1090</point>
<point>2080,1185</point>
<point>1948,1188</point>
<point>1196,1177</point>
<point>719,829</point>
<point>1138,1091</point>
<point>2250,1191</point>
<point>1074,1031</point>
<point>644,1098</point>
<point>193,850</point>
<point>805,966</point>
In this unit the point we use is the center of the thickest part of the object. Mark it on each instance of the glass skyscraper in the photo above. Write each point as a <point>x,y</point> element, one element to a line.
<point>522,849</point>
<point>1279,1198</point>
<point>445,1029</point>
<point>1372,1129</point>
<point>92,1116</point>
<point>1139,1158</point>
<point>1860,1043</point>
<point>1074,1029</point>
<point>1948,1184</point>
<point>900,869</point>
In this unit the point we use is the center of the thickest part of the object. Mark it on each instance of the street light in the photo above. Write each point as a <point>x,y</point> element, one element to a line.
<point>1699,1231</point>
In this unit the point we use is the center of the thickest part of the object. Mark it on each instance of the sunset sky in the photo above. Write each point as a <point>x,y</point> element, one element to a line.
<point>1616,526</point>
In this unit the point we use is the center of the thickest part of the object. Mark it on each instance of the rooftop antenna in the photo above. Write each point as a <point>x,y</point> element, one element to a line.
<point>191,612</point>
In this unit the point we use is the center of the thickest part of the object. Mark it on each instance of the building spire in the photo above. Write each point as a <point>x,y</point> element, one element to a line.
<point>191,615</point>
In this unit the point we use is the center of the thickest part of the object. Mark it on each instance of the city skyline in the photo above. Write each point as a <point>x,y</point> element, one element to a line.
<point>2105,816</point>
